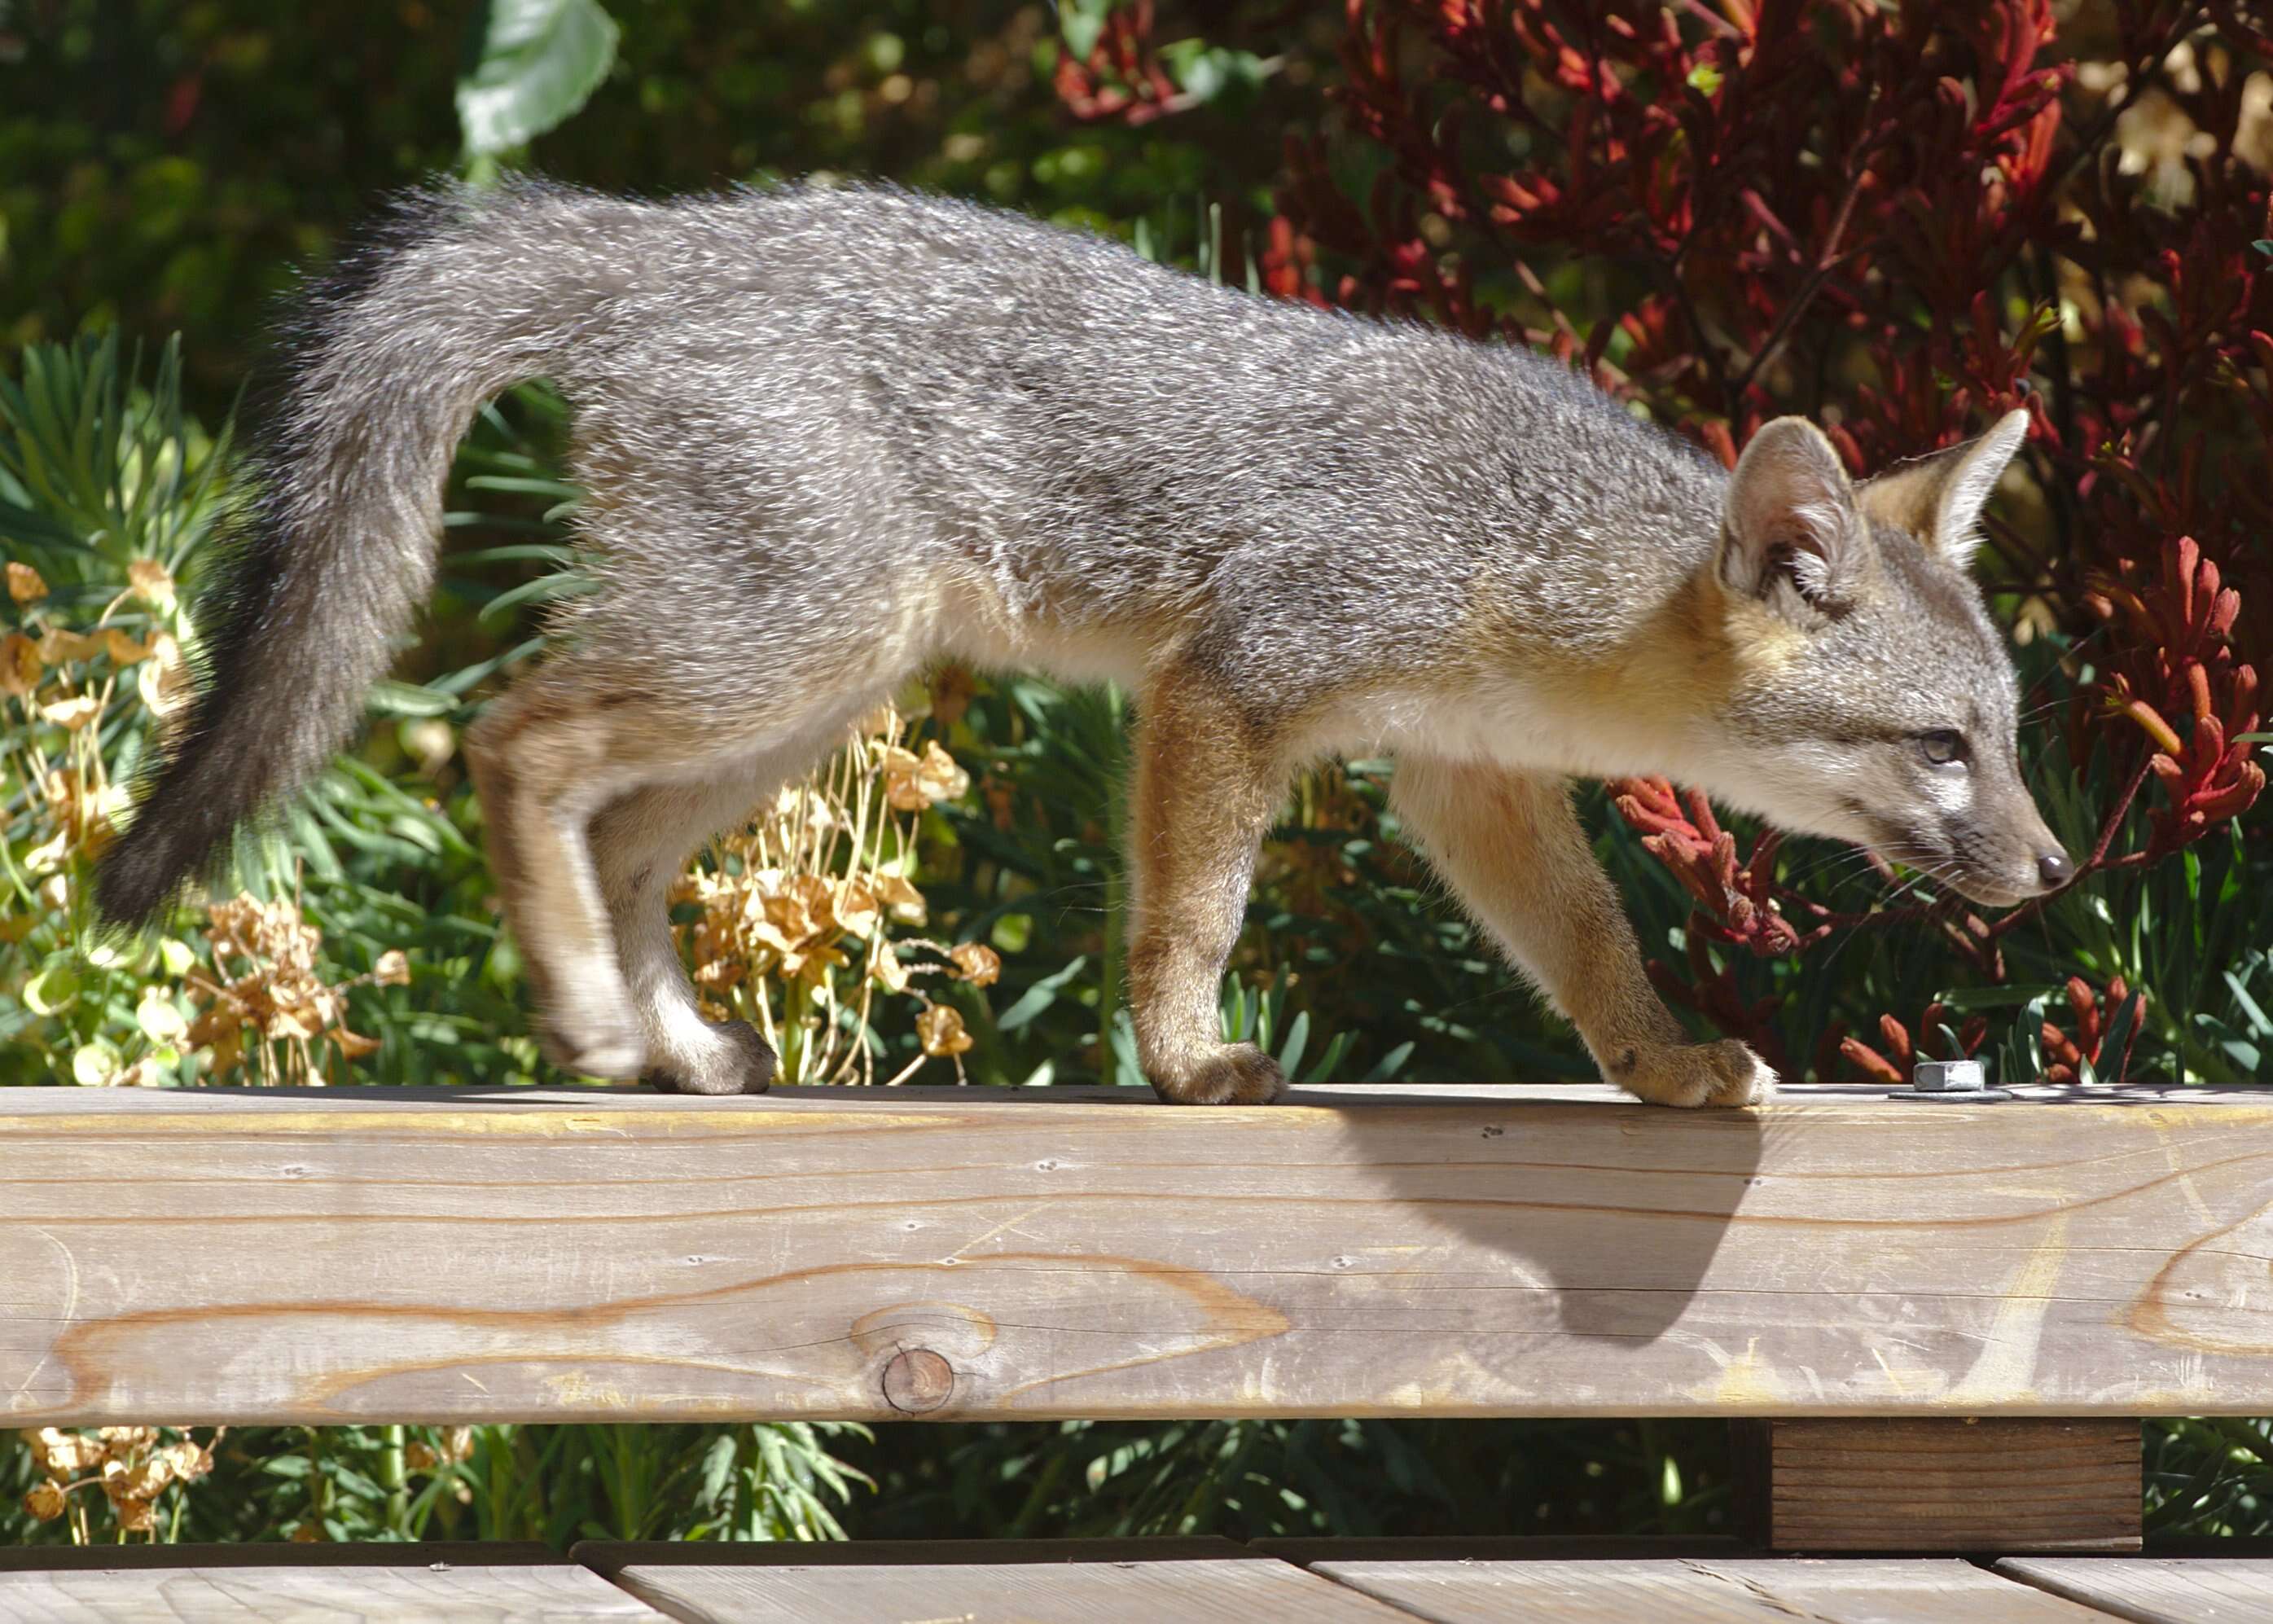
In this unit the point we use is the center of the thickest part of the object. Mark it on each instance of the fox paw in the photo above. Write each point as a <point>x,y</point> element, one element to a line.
<point>1695,1074</point>
<point>740,1062</point>
<point>1229,1074</point>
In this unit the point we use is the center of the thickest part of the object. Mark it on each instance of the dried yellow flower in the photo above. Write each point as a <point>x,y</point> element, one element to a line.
<point>24,583</point>
<point>858,911</point>
<point>123,650</point>
<point>278,992</point>
<point>44,1500</point>
<point>64,1455</point>
<point>188,1460</point>
<point>144,1479</point>
<point>59,646</point>
<point>905,902</point>
<point>881,723</point>
<point>164,683</point>
<point>150,581</point>
<point>940,1029</point>
<point>20,665</point>
<point>392,968</point>
<point>74,713</point>
<point>913,782</point>
<point>977,962</point>
<point>80,812</point>
<point>795,912</point>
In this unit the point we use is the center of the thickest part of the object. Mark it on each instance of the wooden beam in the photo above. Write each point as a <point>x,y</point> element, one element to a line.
<point>1982,1486</point>
<point>371,1254</point>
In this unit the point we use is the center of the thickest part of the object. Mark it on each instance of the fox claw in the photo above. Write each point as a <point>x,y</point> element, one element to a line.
<point>744,1064</point>
<point>1231,1074</point>
<point>1700,1074</point>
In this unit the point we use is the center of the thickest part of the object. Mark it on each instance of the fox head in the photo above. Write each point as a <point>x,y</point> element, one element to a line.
<point>1872,698</point>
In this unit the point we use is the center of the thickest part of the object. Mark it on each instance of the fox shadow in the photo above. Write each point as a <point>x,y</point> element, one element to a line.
<point>1535,1223</point>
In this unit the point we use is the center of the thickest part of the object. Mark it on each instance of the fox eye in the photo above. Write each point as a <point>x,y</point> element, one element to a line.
<point>1943,747</point>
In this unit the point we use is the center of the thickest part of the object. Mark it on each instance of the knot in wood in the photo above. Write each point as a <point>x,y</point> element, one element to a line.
<point>918,1379</point>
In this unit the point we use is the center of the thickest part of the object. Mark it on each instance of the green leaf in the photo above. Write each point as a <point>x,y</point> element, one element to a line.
<point>1386,1068</point>
<point>540,59</point>
<point>1037,998</point>
<point>1080,22</point>
<point>1206,71</point>
<point>1990,997</point>
<point>389,697</point>
<point>2260,1025</point>
<point>52,989</point>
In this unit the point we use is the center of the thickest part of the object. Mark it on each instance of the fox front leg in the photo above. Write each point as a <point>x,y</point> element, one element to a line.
<point>1511,848</point>
<point>1204,791</point>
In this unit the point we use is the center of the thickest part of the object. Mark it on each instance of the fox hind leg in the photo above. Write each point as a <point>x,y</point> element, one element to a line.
<point>544,758</point>
<point>1206,789</point>
<point>641,844</point>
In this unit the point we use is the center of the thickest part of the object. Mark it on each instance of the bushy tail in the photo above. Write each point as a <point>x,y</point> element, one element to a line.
<point>386,362</point>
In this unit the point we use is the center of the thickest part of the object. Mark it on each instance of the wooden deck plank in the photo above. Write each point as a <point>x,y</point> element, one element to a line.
<point>1764,1591</point>
<point>2157,1589</point>
<point>284,1585</point>
<point>980,1581</point>
<point>495,1255</point>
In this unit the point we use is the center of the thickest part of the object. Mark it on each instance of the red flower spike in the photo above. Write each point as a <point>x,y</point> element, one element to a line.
<point>2096,1020</point>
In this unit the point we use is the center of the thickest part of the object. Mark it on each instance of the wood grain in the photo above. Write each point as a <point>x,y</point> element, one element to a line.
<point>236,1584</point>
<point>2192,1590</point>
<point>978,1581</point>
<point>2004,1483</point>
<point>1768,1591</point>
<point>498,1256</point>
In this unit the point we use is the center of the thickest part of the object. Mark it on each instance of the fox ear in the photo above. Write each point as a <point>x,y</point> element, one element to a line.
<point>1790,537</point>
<point>1939,497</point>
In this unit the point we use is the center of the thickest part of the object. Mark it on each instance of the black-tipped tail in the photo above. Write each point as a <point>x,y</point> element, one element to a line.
<point>386,361</point>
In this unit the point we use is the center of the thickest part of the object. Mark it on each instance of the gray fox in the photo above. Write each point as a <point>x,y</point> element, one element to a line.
<point>829,436</point>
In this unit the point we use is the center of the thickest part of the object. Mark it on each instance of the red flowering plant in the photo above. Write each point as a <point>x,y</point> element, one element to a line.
<point>1903,222</point>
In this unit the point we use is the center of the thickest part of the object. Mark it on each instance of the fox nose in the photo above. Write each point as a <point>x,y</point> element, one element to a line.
<point>2053,868</point>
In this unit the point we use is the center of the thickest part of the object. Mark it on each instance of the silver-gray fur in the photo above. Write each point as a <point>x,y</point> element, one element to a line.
<point>830,435</point>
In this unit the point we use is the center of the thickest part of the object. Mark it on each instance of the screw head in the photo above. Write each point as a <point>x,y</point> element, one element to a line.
<point>1948,1077</point>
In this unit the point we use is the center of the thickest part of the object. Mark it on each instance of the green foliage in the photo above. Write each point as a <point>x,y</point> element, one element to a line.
<point>1271,1479</point>
<point>552,1483</point>
<point>539,60</point>
<point>163,166</point>
<point>2209,1475</point>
